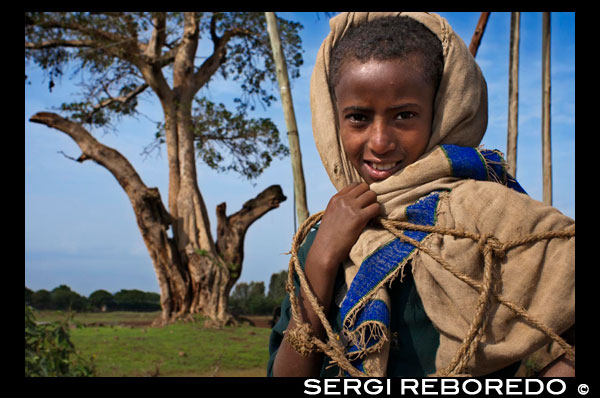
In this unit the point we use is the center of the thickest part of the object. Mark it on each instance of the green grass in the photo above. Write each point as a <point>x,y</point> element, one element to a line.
<point>180,349</point>
<point>104,318</point>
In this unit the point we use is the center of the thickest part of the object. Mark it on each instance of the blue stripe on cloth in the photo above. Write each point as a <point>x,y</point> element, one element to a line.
<point>389,257</point>
<point>375,310</point>
<point>495,161</point>
<point>467,162</point>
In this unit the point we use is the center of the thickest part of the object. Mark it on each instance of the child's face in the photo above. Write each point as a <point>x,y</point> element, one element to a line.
<point>385,110</point>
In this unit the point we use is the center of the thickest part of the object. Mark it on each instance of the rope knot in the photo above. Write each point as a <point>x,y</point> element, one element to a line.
<point>492,243</point>
<point>300,339</point>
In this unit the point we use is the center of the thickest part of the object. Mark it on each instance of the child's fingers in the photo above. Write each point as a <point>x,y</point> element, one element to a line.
<point>357,189</point>
<point>372,210</point>
<point>348,188</point>
<point>366,198</point>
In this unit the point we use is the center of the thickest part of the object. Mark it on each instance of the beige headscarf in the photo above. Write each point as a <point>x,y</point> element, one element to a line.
<point>460,109</point>
<point>460,118</point>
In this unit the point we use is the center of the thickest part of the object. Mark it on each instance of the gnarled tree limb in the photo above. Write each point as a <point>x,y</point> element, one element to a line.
<point>152,218</point>
<point>231,230</point>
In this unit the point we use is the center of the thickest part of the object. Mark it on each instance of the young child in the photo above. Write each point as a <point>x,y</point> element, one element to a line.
<point>399,107</point>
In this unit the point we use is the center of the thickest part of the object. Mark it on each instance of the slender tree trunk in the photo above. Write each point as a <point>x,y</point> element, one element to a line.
<point>546,144</point>
<point>290,118</point>
<point>513,94</point>
<point>478,34</point>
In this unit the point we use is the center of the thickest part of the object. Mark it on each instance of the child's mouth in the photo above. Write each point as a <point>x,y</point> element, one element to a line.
<point>380,170</point>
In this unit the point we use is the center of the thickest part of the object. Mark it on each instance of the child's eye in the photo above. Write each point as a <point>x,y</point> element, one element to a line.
<point>405,115</point>
<point>356,117</point>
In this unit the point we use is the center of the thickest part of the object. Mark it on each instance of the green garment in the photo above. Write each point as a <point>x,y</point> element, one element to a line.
<point>414,339</point>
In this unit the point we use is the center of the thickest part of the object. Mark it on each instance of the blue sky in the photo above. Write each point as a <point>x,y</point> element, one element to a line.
<point>80,229</point>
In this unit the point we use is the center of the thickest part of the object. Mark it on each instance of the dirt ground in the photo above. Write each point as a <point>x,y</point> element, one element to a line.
<point>260,321</point>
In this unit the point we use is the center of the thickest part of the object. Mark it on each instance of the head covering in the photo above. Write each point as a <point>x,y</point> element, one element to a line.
<point>460,108</point>
<point>438,190</point>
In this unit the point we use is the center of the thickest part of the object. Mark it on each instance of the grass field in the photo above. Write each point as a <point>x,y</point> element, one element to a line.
<point>124,344</point>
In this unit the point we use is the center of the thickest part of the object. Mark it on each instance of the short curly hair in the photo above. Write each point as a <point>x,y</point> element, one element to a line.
<point>387,38</point>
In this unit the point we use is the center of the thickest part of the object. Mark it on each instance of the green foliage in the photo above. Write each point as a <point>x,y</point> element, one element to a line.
<point>49,350</point>
<point>277,285</point>
<point>136,300</point>
<point>104,49</point>
<point>63,298</point>
<point>249,144</point>
<point>28,296</point>
<point>100,299</point>
<point>41,299</point>
<point>250,298</point>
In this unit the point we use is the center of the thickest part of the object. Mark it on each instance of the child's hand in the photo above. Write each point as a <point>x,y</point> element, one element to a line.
<point>345,217</point>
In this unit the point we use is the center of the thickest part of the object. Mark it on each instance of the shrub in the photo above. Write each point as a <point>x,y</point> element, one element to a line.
<point>41,299</point>
<point>49,350</point>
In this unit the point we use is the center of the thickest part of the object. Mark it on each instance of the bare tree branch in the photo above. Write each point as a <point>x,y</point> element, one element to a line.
<point>123,99</point>
<point>478,34</point>
<point>80,159</point>
<point>184,59</point>
<point>213,29</point>
<point>94,32</point>
<point>121,46</point>
<point>108,157</point>
<point>60,43</point>
<point>232,229</point>
<point>157,40</point>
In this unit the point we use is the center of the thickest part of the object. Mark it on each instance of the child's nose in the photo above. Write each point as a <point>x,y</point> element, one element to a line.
<point>382,138</point>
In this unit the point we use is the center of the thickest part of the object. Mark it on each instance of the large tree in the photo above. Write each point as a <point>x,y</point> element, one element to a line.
<point>126,55</point>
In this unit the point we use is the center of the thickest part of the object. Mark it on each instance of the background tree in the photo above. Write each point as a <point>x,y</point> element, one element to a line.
<point>63,298</point>
<point>28,295</point>
<point>126,55</point>
<point>136,300</point>
<point>250,298</point>
<point>277,284</point>
<point>41,299</point>
<point>101,299</point>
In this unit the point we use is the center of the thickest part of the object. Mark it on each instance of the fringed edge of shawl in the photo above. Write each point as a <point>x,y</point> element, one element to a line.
<point>350,319</point>
<point>360,338</point>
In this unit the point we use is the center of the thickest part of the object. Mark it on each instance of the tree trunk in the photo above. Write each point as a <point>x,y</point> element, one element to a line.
<point>290,119</point>
<point>478,34</point>
<point>513,94</point>
<point>231,231</point>
<point>192,277</point>
<point>546,142</point>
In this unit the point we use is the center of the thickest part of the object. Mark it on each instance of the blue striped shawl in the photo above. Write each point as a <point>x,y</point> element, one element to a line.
<point>387,260</point>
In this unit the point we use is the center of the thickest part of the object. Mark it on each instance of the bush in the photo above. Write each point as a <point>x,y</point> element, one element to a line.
<point>41,299</point>
<point>277,285</point>
<point>136,300</point>
<point>28,296</point>
<point>63,298</point>
<point>250,299</point>
<point>101,299</point>
<point>50,352</point>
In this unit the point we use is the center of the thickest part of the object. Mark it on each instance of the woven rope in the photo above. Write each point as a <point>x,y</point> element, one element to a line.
<point>302,338</point>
